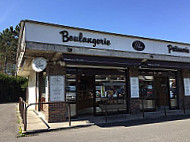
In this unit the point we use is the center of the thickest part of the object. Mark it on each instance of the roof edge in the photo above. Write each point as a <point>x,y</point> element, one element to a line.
<point>110,33</point>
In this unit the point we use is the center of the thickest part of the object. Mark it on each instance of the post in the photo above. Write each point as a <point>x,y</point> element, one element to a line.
<point>165,108</point>
<point>19,103</point>
<point>69,113</point>
<point>25,117</point>
<point>106,111</point>
<point>142,106</point>
<point>22,112</point>
<point>184,104</point>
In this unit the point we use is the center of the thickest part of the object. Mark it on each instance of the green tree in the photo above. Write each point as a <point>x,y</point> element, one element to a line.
<point>8,48</point>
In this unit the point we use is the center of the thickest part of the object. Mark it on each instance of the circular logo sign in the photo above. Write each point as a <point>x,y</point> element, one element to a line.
<point>138,45</point>
<point>39,64</point>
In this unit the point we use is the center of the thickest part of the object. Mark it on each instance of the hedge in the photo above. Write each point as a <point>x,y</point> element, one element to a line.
<point>11,88</point>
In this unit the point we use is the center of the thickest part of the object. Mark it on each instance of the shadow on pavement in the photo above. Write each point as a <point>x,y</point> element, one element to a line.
<point>144,121</point>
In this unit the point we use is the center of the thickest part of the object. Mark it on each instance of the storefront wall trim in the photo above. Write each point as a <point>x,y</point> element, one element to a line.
<point>41,47</point>
<point>51,35</point>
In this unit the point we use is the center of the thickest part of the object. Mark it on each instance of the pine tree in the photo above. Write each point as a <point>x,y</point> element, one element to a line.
<point>8,48</point>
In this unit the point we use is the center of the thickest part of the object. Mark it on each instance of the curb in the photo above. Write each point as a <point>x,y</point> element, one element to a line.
<point>57,129</point>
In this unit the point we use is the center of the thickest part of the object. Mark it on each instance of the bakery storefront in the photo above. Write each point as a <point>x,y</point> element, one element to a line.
<point>96,71</point>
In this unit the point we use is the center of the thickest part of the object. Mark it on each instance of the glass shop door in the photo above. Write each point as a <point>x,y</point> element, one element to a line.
<point>85,94</point>
<point>147,92</point>
<point>167,92</point>
<point>173,97</point>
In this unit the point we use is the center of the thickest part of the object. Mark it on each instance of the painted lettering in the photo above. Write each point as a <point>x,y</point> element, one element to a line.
<point>80,38</point>
<point>177,49</point>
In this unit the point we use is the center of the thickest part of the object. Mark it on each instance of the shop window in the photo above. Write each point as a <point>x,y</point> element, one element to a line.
<point>43,85</point>
<point>146,85</point>
<point>173,92</point>
<point>110,88</point>
<point>42,90</point>
<point>71,92</point>
<point>70,87</point>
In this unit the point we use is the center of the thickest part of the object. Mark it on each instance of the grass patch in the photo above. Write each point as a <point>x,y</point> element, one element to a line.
<point>20,132</point>
<point>19,121</point>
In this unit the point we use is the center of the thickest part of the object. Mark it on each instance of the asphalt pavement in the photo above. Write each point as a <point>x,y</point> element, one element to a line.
<point>8,122</point>
<point>163,130</point>
<point>172,130</point>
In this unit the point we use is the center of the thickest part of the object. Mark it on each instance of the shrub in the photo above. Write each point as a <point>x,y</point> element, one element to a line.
<point>11,88</point>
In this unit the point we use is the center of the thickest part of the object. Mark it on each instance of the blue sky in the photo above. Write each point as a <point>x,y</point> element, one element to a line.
<point>161,19</point>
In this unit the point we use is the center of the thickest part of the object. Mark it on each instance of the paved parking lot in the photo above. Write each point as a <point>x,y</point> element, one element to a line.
<point>8,122</point>
<point>164,130</point>
<point>169,131</point>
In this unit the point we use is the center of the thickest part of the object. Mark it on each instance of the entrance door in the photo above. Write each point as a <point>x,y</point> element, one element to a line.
<point>163,91</point>
<point>173,97</point>
<point>85,94</point>
<point>147,92</point>
<point>166,91</point>
<point>158,89</point>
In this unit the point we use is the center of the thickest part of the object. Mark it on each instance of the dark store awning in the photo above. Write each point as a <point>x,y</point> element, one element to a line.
<point>98,60</point>
<point>121,62</point>
<point>170,65</point>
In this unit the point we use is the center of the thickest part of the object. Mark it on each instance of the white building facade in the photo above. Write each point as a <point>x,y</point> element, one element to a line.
<point>92,69</point>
